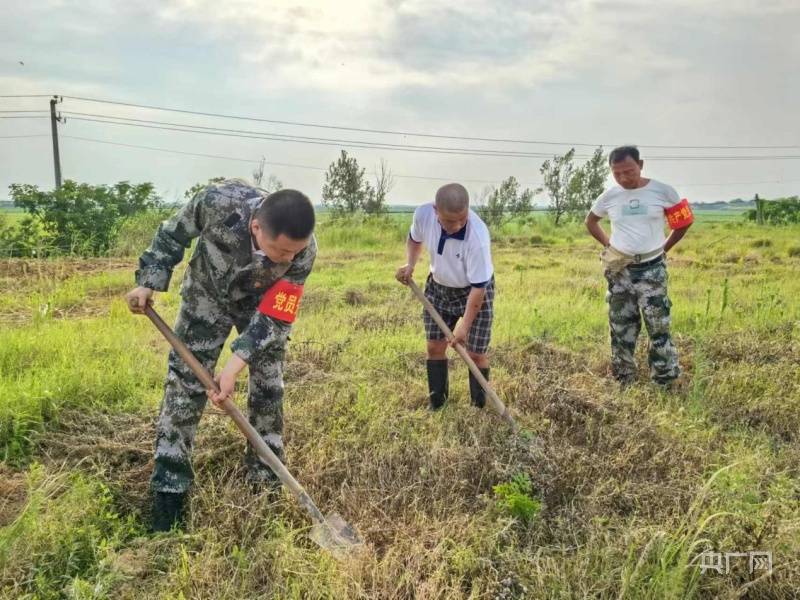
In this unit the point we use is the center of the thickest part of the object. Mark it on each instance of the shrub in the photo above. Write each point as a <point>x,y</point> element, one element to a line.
<point>78,217</point>
<point>137,232</point>
<point>781,211</point>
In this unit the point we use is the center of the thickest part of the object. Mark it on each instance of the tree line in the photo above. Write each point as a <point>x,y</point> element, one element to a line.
<point>85,219</point>
<point>571,189</point>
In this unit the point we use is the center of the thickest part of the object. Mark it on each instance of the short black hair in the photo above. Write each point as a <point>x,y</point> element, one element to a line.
<point>287,212</point>
<point>623,152</point>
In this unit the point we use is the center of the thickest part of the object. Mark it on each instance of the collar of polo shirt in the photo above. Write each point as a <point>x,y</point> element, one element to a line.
<point>458,235</point>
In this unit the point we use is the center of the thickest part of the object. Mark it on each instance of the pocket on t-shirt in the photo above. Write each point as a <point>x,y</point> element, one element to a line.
<point>634,207</point>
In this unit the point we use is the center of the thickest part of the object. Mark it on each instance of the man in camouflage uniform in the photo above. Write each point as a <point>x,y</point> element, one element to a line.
<point>247,271</point>
<point>635,264</point>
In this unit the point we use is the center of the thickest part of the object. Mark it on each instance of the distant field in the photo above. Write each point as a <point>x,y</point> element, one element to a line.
<point>11,215</point>
<point>720,215</point>
<point>632,485</point>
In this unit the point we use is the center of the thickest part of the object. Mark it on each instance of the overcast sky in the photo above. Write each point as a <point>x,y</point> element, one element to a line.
<point>672,73</point>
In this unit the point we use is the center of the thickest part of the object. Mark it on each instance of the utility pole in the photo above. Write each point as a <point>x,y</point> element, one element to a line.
<point>54,120</point>
<point>759,210</point>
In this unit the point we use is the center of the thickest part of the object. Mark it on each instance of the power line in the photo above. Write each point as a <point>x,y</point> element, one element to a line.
<point>293,137</point>
<point>398,175</point>
<point>246,160</point>
<point>419,134</point>
<point>322,142</point>
<point>362,144</point>
<point>26,95</point>
<point>34,135</point>
<point>277,164</point>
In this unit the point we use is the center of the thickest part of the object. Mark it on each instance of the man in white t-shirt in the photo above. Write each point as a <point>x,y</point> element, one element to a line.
<point>460,285</point>
<point>634,257</point>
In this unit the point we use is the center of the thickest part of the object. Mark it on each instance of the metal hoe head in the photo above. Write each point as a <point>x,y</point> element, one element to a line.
<point>335,535</point>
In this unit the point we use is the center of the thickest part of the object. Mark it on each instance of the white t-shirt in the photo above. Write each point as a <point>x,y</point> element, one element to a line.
<point>637,216</point>
<point>459,260</point>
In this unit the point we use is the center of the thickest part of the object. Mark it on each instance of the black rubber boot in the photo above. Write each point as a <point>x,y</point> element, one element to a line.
<point>476,392</point>
<point>167,510</point>
<point>438,387</point>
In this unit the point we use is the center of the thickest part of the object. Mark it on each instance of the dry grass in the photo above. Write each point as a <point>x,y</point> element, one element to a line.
<point>633,483</point>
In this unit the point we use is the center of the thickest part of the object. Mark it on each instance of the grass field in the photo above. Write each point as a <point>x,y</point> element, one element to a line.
<point>608,494</point>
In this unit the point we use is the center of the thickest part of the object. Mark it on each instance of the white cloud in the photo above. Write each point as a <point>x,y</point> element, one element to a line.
<point>676,72</point>
<point>377,46</point>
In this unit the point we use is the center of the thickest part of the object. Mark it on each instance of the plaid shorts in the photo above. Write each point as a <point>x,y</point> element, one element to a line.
<point>451,304</point>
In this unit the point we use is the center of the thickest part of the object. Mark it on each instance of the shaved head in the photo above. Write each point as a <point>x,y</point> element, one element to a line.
<point>452,198</point>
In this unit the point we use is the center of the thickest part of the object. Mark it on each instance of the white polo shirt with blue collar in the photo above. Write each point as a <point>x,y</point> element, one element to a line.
<point>459,260</point>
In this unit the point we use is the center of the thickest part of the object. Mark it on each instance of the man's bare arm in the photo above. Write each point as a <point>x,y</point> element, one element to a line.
<point>413,252</point>
<point>593,225</point>
<point>675,237</point>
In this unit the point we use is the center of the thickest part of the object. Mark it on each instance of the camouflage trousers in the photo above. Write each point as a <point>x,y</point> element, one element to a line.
<point>636,294</point>
<point>204,328</point>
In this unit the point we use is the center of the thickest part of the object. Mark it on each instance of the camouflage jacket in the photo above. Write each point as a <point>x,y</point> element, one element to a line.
<point>226,273</point>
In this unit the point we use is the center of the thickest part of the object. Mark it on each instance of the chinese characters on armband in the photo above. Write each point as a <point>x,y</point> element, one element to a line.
<point>680,215</point>
<point>282,301</point>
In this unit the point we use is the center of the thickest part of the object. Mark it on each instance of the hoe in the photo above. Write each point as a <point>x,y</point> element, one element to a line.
<point>330,532</point>
<point>497,404</point>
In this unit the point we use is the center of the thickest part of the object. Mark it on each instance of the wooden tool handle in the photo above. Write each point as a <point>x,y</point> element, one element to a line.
<point>498,405</point>
<point>259,445</point>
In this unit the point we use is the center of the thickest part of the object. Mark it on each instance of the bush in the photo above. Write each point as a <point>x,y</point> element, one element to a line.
<point>137,232</point>
<point>781,211</point>
<point>26,238</point>
<point>78,218</point>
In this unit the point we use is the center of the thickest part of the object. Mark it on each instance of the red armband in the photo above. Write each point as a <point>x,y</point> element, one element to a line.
<point>680,215</point>
<point>282,301</point>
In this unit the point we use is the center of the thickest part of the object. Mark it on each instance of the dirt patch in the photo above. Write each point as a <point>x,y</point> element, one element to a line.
<point>41,278</point>
<point>310,360</point>
<point>119,447</point>
<point>95,303</point>
<point>13,494</point>
<point>384,319</point>
<point>58,269</point>
<point>355,298</point>
<point>763,350</point>
<point>316,300</point>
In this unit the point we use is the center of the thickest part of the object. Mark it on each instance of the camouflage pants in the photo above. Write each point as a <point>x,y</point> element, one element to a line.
<point>204,328</point>
<point>634,294</point>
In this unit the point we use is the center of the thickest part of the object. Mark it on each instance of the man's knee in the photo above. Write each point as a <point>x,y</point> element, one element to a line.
<point>437,349</point>
<point>480,359</point>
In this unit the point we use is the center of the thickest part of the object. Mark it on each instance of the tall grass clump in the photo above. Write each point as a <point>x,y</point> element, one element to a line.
<point>91,365</point>
<point>64,542</point>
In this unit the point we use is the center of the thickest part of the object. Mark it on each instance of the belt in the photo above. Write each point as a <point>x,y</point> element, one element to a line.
<point>638,263</point>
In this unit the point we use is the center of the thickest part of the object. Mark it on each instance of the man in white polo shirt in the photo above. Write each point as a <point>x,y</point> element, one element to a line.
<point>635,266</point>
<point>460,284</point>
